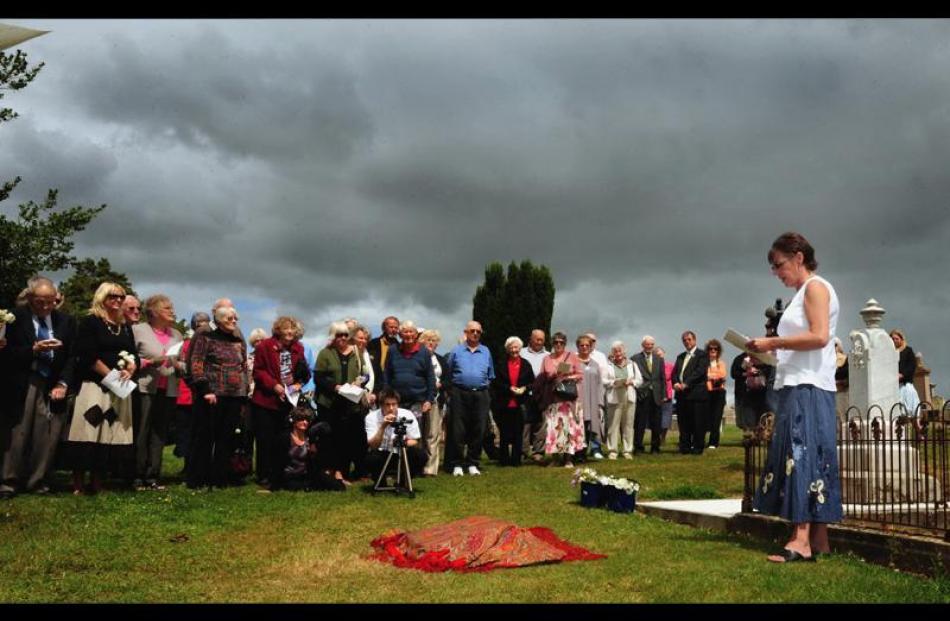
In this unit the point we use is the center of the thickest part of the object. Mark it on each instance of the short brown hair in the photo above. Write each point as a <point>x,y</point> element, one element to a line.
<point>790,243</point>
<point>281,322</point>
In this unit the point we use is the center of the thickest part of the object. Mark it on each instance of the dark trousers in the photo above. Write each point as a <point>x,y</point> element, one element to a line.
<point>511,427</point>
<point>346,443</point>
<point>717,402</point>
<point>648,414</point>
<point>212,441</point>
<point>468,417</point>
<point>271,430</point>
<point>150,416</point>
<point>691,418</point>
<point>375,460</point>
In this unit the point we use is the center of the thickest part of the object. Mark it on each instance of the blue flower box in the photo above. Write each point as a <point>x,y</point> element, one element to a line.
<point>593,495</point>
<point>620,501</point>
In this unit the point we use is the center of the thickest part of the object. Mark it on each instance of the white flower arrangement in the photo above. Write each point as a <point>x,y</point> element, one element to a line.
<point>6,316</point>
<point>589,475</point>
<point>125,360</point>
<point>818,489</point>
<point>768,481</point>
<point>789,466</point>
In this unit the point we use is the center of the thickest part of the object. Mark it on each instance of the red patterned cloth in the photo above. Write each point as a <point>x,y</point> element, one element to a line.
<point>476,543</point>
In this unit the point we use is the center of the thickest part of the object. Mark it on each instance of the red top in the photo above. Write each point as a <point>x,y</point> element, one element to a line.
<point>267,371</point>
<point>514,368</point>
<point>184,392</point>
<point>409,353</point>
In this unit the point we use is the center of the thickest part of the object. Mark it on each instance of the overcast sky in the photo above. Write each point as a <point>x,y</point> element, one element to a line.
<point>327,168</point>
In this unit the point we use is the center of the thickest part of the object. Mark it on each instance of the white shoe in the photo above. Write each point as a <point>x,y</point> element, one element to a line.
<point>473,471</point>
<point>598,455</point>
<point>611,456</point>
<point>627,456</point>
<point>568,464</point>
<point>712,448</point>
<point>457,472</point>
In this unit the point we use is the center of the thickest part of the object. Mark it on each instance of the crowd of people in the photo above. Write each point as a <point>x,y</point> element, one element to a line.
<point>303,419</point>
<point>299,418</point>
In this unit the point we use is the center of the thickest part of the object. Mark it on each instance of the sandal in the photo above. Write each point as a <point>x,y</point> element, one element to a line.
<point>791,556</point>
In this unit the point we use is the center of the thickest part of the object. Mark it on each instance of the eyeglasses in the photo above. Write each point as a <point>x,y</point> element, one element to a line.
<point>342,334</point>
<point>133,309</point>
<point>776,266</point>
<point>556,342</point>
<point>115,296</point>
<point>474,331</point>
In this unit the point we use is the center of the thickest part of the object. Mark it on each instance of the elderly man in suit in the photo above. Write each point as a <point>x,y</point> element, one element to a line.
<point>650,396</point>
<point>36,373</point>
<point>378,348</point>
<point>689,385</point>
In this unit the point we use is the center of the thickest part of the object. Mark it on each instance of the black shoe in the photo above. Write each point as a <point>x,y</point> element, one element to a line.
<point>698,452</point>
<point>41,490</point>
<point>638,451</point>
<point>7,494</point>
<point>655,451</point>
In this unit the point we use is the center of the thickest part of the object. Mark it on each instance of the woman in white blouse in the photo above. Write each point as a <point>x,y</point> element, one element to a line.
<point>621,378</point>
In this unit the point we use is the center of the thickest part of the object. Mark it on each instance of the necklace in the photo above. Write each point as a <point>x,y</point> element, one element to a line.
<point>118,328</point>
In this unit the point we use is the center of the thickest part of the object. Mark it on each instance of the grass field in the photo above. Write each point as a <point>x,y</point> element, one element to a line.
<point>237,545</point>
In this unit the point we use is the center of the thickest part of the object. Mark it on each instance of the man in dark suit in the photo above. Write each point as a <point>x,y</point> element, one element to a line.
<point>36,372</point>
<point>689,385</point>
<point>378,349</point>
<point>650,396</point>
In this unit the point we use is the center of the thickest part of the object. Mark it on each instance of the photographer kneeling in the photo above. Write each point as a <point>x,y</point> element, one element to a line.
<point>382,426</point>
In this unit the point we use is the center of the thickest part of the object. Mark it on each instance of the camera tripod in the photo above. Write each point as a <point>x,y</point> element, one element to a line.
<point>401,485</point>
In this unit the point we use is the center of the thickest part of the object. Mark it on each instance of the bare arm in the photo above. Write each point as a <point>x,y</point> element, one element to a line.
<point>817,312</point>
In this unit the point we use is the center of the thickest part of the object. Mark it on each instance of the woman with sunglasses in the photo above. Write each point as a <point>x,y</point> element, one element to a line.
<point>100,434</point>
<point>340,363</point>
<point>565,425</point>
<point>280,371</point>
<point>716,387</point>
<point>800,480</point>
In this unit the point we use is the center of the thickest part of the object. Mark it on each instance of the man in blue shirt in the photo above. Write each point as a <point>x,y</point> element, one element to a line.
<point>470,371</point>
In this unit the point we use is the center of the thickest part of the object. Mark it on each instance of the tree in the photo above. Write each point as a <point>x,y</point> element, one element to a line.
<point>513,305</point>
<point>79,288</point>
<point>38,239</point>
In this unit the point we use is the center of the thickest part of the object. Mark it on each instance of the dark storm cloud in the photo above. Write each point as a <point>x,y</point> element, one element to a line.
<point>379,166</point>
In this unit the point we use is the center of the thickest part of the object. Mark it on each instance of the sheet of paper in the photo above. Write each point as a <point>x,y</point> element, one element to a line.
<point>739,340</point>
<point>293,395</point>
<point>351,392</point>
<point>120,388</point>
<point>175,349</point>
<point>564,368</point>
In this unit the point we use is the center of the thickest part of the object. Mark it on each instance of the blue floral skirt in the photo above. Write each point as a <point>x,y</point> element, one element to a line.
<point>800,480</point>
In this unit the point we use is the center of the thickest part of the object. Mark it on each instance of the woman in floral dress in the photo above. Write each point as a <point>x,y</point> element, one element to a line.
<point>565,425</point>
<point>800,481</point>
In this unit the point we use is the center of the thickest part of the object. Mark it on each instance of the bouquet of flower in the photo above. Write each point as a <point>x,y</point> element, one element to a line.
<point>589,475</point>
<point>125,359</point>
<point>5,318</point>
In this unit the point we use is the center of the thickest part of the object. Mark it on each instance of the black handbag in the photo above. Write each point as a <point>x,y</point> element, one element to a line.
<point>566,390</point>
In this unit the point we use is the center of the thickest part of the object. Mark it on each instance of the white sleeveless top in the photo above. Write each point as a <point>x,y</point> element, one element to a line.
<point>816,366</point>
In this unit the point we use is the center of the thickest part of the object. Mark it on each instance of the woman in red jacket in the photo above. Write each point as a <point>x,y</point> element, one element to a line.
<point>280,369</point>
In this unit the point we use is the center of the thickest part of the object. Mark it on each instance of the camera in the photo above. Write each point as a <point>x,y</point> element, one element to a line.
<point>399,432</point>
<point>773,316</point>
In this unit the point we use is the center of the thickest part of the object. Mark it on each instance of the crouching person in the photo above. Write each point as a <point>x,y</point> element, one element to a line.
<point>305,468</point>
<point>380,426</point>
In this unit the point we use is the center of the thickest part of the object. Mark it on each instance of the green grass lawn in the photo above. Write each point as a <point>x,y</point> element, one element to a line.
<point>243,546</point>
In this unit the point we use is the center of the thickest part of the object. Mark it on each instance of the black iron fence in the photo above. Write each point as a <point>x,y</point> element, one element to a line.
<point>894,468</point>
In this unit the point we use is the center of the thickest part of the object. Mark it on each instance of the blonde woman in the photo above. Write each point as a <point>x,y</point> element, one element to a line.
<point>101,429</point>
<point>432,430</point>
<point>621,377</point>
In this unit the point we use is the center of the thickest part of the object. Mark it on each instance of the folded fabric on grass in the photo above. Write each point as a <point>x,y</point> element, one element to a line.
<point>476,543</point>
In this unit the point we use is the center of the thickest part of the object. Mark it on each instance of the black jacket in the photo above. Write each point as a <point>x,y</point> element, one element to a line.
<point>694,377</point>
<point>501,385</point>
<point>653,383</point>
<point>16,359</point>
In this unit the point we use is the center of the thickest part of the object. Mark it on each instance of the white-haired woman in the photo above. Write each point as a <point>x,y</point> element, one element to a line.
<point>432,430</point>
<point>158,388</point>
<point>101,429</point>
<point>338,364</point>
<point>511,388</point>
<point>218,365</point>
<point>621,378</point>
<point>591,399</point>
